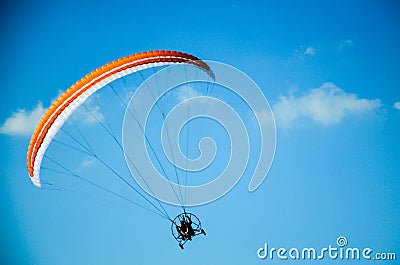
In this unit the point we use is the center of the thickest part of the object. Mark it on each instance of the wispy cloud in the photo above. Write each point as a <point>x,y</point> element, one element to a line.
<point>186,92</point>
<point>396,105</point>
<point>345,44</point>
<point>265,118</point>
<point>87,162</point>
<point>310,51</point>
<point>23,122</point>
<point>88,115</point>
<point>303,52</point>
<point>326,105</point>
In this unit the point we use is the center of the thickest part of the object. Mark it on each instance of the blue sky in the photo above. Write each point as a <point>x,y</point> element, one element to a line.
<point>329,71</point>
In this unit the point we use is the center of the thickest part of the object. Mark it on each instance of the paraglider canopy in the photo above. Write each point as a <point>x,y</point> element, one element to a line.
<point>78,93</point>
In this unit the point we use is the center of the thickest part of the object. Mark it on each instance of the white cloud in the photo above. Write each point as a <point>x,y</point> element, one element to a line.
<point>396,105</point>
<point>265,117</point>
<point>87,162</point>
<point>310,51</point>
<point>88,115</point>
<point>326,105</point>
<point>186,92</point>
<point>59,93</point>
<point>23,122</point>
<point>345,44</point>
